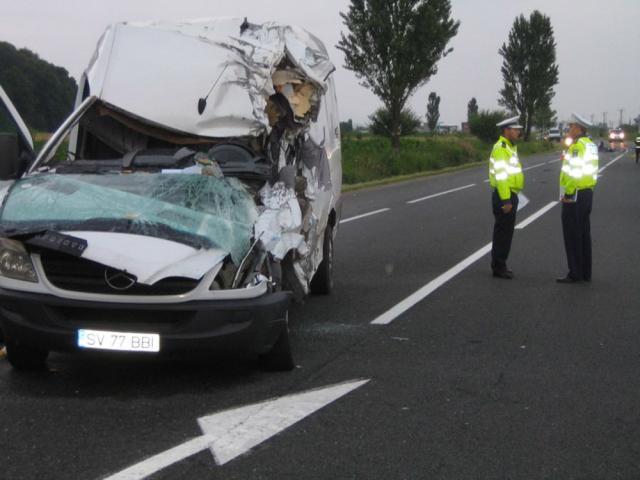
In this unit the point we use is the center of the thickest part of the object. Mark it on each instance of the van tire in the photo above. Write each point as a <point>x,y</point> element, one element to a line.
<point>22,357</point>
<point>322,281</point>
<point>280,357</point>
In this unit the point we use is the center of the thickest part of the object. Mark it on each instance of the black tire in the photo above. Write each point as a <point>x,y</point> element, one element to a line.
<point>280,357</point>
<point>22,357</point>
<point>322,281</point>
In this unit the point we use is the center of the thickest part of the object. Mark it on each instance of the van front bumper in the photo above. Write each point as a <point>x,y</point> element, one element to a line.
<point>51,323</point>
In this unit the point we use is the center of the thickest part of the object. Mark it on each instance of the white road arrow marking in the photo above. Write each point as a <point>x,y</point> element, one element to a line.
<point>523,201</point>
<point>231,433</point>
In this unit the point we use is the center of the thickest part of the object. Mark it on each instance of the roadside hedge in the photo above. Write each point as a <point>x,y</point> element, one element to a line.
<point>370,157</point>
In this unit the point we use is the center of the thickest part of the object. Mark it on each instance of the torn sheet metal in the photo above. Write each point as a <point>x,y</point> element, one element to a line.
<point>149,259</point>
<point>279,224</point>
<point>129,72</point>
<point>197,210</point>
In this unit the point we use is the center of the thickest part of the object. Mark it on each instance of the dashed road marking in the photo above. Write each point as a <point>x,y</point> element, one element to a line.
<point>532,218</point>
<point>411,202</point>
<point>358,217</point>
<point>612,162</point>
<point>534,166</point>
<point>419,295</point>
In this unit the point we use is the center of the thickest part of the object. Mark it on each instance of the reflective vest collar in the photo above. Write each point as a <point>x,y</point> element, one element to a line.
<point>506,141</point>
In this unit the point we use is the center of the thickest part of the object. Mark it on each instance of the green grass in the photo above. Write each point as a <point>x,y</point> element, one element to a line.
<point>369,158</point>
<point>40,139</point>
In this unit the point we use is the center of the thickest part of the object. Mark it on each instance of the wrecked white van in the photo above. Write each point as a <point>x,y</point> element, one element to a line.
<point>199,193</point>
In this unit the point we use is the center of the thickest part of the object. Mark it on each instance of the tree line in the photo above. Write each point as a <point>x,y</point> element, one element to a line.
<point>43,93</point>
<point>394,46</point>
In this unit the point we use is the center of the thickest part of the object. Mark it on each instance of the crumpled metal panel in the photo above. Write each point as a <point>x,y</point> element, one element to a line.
<point>280,221</point>
<point>138,66</point>
<point>199,210</point>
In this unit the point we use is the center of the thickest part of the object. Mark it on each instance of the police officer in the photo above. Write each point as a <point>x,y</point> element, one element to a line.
<point>637,148</point>
<point>506,179</point>
<point>578,178</point>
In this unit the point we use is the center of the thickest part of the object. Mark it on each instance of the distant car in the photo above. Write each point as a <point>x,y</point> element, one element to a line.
<point>554,135</point>
<point>616,134</point>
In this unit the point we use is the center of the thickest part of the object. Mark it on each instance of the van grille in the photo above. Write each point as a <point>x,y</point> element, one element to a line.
<point>80,275</point>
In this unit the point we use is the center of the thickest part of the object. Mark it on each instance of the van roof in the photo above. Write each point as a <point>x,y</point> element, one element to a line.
<point>158,71</point>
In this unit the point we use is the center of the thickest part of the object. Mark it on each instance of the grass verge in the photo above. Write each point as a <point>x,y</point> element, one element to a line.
<point>368,160</point>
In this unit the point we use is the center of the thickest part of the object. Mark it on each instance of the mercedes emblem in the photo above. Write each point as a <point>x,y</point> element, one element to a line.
<point>119,280</point>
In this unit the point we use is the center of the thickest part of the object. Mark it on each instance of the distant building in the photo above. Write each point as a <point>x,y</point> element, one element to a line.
<point>446,129</point>
<point>465,127</point>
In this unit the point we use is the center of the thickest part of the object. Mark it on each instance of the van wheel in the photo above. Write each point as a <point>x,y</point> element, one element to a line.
<point>279,358</point>
<point>322,281</point>
<point>22,357</point>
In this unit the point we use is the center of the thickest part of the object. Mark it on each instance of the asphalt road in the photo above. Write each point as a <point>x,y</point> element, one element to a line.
<point>482,378</point>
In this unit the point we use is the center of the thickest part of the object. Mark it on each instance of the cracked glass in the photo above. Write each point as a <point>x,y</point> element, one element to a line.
<point>198,210</point>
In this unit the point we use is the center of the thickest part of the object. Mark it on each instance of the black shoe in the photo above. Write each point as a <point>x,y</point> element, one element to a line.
<point>567,279</point>
<point>506,274</point>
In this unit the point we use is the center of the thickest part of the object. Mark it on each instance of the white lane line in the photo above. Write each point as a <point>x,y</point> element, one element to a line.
<point>535,216</point>
<point>554,161</point>
<point>358,217</point>
<point>534,166</point>
<point>410,202</point>
<point>231,433</point>
<point>612,162</point>
<point>419,295</point>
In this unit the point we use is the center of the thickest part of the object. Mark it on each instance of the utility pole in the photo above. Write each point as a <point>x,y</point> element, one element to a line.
<point>592,119</point>
<point>604,119</point>
<point>621,110</point>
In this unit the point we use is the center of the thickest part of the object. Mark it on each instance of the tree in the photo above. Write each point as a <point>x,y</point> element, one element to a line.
<point>381,122</point>
<point>545,118</point>
<point>529,68</point>
<point>42,92</point>
<point>472,108</point>
<point>433,111</point>
<point>393,47</point>
<point>483,125</point>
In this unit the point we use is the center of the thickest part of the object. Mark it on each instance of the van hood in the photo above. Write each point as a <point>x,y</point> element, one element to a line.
<point>141,69</point>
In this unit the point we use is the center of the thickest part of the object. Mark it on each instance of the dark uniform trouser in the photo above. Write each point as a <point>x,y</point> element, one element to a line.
<point>502,230</point>
<point>576,228</point>
<point>637,153</point>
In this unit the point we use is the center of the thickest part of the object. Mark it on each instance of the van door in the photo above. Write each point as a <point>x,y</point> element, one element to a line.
<point>16,145</point>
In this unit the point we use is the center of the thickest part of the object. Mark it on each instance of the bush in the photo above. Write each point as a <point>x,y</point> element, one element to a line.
<point>483,125</point>
<point>381,122</point>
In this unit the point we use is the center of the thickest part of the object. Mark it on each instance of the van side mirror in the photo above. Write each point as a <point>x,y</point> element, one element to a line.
<point>10,160</point>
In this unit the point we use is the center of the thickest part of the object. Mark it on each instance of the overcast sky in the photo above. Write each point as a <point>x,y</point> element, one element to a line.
<point>598,45</point>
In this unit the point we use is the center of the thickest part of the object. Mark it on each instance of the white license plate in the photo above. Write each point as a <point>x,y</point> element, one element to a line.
<point>123,341</point>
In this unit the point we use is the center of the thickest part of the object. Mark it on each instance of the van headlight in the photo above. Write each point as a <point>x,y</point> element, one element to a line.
<point>15,261</point>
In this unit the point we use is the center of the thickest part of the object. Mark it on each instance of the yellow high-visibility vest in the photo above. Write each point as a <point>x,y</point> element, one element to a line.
<point>579,167</point>
<point>505,171</point>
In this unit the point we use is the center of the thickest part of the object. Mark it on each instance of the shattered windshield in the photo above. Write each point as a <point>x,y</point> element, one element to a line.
<point>200,210</point>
